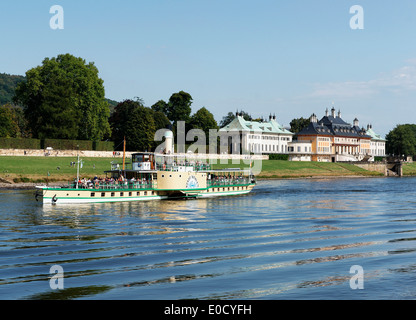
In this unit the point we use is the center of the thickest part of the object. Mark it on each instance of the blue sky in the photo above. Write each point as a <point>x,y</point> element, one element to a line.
<point>291,58</point>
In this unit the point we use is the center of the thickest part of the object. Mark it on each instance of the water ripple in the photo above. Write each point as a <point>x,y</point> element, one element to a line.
<point>288,239</point>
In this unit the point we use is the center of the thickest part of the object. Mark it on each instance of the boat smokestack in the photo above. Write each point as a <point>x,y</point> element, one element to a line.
<point>169,147</point>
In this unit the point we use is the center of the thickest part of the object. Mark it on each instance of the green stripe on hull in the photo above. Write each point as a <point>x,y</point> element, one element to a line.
<point>102,200</point>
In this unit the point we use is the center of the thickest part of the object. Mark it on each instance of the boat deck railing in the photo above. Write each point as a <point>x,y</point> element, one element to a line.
<point>183,167</point>
<point>229,182</point>
<point>123,185</point>
<point>141,185</point>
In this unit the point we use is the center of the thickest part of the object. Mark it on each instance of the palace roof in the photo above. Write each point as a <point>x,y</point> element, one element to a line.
<point>374,135</point>
<point>270,127</point>
<point>330,125</point>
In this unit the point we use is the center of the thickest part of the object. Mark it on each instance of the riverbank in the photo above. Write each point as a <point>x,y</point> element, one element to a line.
<point>19,172</point>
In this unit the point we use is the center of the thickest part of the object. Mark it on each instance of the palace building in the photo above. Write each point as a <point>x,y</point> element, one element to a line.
<point>261,137</point>
<point>331,139</point>
<point>378,144</point>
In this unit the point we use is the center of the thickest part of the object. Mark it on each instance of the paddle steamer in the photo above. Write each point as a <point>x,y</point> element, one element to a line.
<point>152,176</point>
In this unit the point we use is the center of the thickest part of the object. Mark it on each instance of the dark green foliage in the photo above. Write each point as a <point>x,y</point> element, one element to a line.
<point>279,157</point>
<point>64,99</point>
<point>8,122</point>
<point>160,106</point>
<point>133,121</point>
<point>103,145</point>
<point>60,144</point>
<point>56,144</point>
<point>296,125</point>
<point>112,104</point>
<point>161,121</point>
<point>8,84</point>
<point>17,143</point>
<point>203,119</point>
<point>231,116</point>
<point>179,107</point>
<point>402,140</point>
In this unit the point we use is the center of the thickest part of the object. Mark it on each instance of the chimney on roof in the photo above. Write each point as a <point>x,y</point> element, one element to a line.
<point>333,112</point>
<point>326,112</point>
<point>339,114</point>
<point>356,123</point>
<point>313,118</point>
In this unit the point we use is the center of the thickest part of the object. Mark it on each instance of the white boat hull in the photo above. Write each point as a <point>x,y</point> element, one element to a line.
<point>78,196</point>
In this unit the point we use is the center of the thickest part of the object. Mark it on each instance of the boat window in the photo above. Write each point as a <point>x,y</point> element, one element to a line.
<point>92,194</point>
<point>121,194</point>
<point>102,194</point>
<point>112,194</point>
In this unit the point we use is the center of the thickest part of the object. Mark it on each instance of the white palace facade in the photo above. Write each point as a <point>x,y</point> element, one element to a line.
<point>267,137</point>
<point>329,139</point>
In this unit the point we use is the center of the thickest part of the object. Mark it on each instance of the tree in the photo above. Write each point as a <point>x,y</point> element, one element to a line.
<point>402,140</point>
<point>296,125</point>
<point>8,85</point>
<point>161,121</point>
<point>231,116</point>
<point>203,119</point>
<point>179,107</point>
<point>64,99</point>
<point>133,121</point>
<point>160,106</point>
<point>12,122</point>
<point>9,126</point>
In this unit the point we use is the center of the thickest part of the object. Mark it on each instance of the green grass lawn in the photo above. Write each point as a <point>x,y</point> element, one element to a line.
<point>292,169</point>
<point>35,169</point>
<point>409,169</point>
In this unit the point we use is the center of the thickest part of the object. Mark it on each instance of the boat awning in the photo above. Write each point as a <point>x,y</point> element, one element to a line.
<point>133,171</point>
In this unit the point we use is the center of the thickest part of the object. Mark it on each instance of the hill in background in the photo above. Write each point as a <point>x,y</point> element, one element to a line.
<point>8,84</point>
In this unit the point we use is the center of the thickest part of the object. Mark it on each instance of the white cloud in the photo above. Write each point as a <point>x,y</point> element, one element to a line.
<point>397,81</point>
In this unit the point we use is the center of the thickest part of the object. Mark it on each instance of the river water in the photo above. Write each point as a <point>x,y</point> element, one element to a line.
<point>288,239</point>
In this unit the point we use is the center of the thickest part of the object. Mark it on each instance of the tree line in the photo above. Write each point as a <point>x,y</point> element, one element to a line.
<point>64,98</point>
